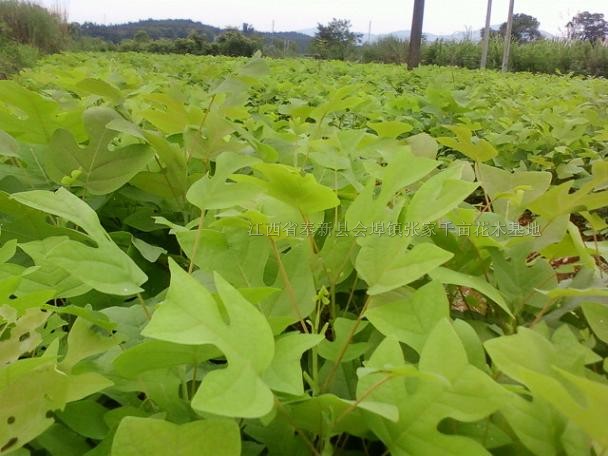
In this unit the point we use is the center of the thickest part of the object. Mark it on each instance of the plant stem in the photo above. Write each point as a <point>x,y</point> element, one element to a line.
<point>197,242</point>
<point>143,306</point>
<point>364,396</point>
<point>351,334</point>
<point>193,384</point>
<point>288,286</point>
<point>542,313</point>
<point>299,433</point>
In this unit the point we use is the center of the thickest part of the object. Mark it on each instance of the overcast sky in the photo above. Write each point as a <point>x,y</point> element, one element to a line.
<point>442,16</point>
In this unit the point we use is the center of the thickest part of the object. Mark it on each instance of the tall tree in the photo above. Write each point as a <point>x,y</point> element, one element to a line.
<point>335,40</point>
<point>413,59</point>
<point>247,29</point>
<point>141,36</point>
<point>525,28</point>
<point>588,27</point>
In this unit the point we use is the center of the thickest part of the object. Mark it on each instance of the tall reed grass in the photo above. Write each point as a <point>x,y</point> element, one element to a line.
<point>26,22</point>
<point>543,56</point>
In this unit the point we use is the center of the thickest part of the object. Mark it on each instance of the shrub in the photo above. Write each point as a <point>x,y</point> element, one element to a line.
<point>389,49</point>
<point>541,56</point>
<point>235,44</point>
<point>31,24</point>
<point>15,56</point>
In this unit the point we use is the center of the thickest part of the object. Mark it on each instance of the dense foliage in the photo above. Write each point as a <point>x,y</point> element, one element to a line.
<point>155,28</point>
<point>213,256</point>
<point>29,23</point>
<point>172,31</point>
<point>15,56</point>
<point>540,56</point>
<point>588,27</point>
<point>388,49</point>
<point>335,40</point>
<point>231,43</point>
<point>525,28</point>
<point>26,31</point>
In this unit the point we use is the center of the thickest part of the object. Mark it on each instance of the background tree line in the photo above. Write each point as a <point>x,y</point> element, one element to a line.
<point>28,30</point>
<point>584,50</point>
<point>187,36</point>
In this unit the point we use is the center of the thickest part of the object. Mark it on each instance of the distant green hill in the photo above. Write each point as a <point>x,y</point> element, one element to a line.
<point>178,28</point>
<point>156,29</point>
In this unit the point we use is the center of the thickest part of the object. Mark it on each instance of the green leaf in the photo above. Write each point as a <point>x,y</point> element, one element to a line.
<point>438,196</point>
<point>59,440</point>
<point>105,267</point>
<point>511,192</point>
<point>173,162</point>
<point>328,415</point>
<point>447,276</point>
<point>529,358</point>
<point>8,146</point>
<point>7,251</point>
<point>190,315</point>
<point>40,118</point>
<point>390,129</point>
<point>99,167</point>
<point>64,204</point>
<point>101,88</point>
<point>232,253</point>
<point>343,330</point>
<point>300,191</point>
<point>86,340</point>
<point>423,145</point>
<point>278,437</point>
<point>448,387</point>
<point>150,252</point>
<point>48,274</point>
<point>94,317</point>
<point>557,293</point>
<point>539,427</point>
<point>402,170</point>
<point>572,352</point>
<point>165,388</point>
<point>519,281</point>
<point>386,264</point>
<point>214,192</point>
<point>25,405</point>
<point>597,316</point>
<point>157,354</point>
<point>86,418</point>
<point>559,200</point>
<point>285,372</point>
<point>297,296</point>
<point>476,149</point>
<point>21,333</point>
<point>168,114</point>
<point>153,437</point>
<point>409,318</point>
<point>26,224</point>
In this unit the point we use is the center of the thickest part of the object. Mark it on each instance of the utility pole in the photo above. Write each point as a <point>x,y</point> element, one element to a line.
<point>413,59</point>
<point>369,33</point>
<point>486,37</point>
<point>507,52</point>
